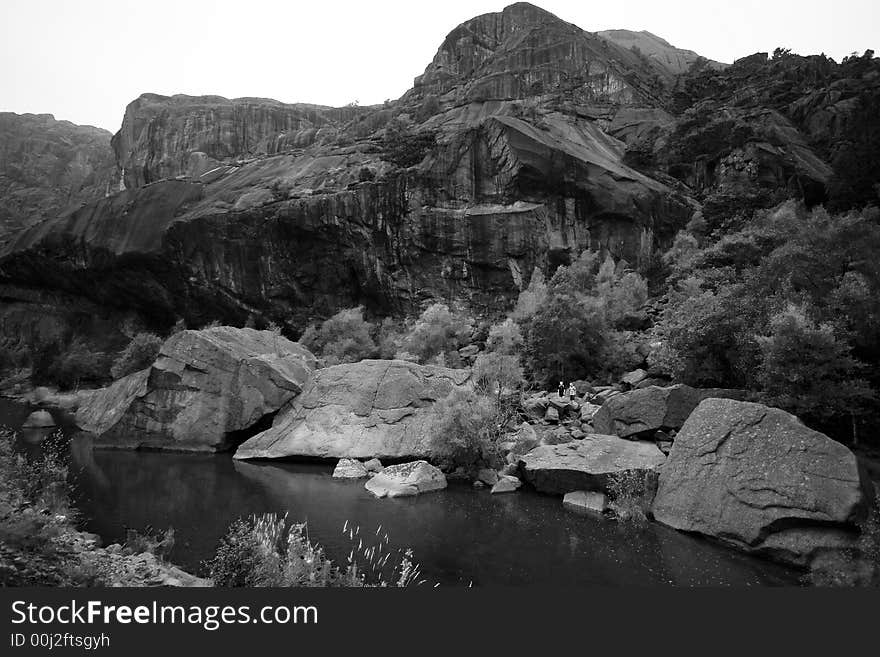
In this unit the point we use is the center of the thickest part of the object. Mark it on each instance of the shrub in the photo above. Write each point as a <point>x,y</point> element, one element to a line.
<point>139,354</point>
<point>267,550</point>
<point>466,429</point>
<point>156,543</point>
<point>344,338</point>
<point>438,331</point>
<point>630,497</point>
<point>497,372</point>
<point>77,364</point>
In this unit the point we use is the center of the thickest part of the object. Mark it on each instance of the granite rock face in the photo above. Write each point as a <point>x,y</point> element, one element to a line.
<point>204,388</point>
<point>374,408</point>
<point>675,61</point>
<point>48,167</point>
<point>169,136</point>
<point>758,478</point>
<point>587,464</point>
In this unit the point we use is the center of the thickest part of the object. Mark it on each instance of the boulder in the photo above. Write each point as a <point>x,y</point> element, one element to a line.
<point>552,415</point>
<point>758,478</point>
<point>634,378</point>
<point>350,469</point>
<point>588,411</point>
<point>536,405</point>
<point>371,409</point>
<point>586,502</point>
<point>39,420</point>
<point>203,390</point>
<point>507,484</point>
<point>646,410</point>
<point>587,464</point>
<point>488,476</point>
<point>406,479</point>
<point>374,465</point>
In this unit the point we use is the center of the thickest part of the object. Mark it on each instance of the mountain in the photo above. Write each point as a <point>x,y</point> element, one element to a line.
<point>674,60</point>
<point>525,141</point>
<point>48,167</point>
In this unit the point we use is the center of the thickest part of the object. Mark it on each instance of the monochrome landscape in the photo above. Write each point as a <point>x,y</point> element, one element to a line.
<point>578,308</point>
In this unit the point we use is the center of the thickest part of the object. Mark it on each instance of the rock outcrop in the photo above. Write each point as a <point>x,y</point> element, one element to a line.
<point>587,464</point>
<point>205,390</point>
<point>646,410</point>
<point>169,136</point>
<point>406,479</point>
<point>758,478</point>
<point>374,408</point>
<point>48,167</point>
<point>675,61</point>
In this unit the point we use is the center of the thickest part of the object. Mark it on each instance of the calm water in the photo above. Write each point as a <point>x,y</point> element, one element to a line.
<point>458,536</point>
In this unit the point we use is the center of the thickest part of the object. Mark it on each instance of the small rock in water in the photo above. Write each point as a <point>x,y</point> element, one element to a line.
<point>350,469</point>
<point>488,476</point>
<point>507,484</point>
<point>374,465</point>
<point>406,479</point>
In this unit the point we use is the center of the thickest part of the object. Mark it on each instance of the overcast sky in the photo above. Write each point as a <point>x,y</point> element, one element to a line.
<point>84,60</point>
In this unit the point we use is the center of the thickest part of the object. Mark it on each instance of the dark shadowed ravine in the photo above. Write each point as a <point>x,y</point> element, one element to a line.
<point>458,536</point>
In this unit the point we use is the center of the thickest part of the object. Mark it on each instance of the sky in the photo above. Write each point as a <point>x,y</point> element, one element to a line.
<point>85,60</point>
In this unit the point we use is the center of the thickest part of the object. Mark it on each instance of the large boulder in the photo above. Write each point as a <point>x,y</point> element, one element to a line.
<point>646,410</point>
<point>406,479</point>
<point>350,469</point>
<point>759,478</point>
<point>205,388</point>
<point>587,464</point>
<point>374,408</point>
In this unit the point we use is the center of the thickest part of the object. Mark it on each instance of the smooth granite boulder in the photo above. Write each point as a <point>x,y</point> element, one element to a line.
<point>203,389</point>
<point>587,464</point>
<point>757,477</point>
<point>371,409</point>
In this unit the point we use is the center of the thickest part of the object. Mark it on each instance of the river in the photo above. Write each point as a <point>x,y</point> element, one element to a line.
<point>459,536</point>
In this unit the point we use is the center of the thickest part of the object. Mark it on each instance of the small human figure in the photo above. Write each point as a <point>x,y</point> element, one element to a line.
<point>561,390</point>
<point>572,392</point>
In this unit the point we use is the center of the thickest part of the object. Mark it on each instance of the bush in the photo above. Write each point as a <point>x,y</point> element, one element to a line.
<point>505,338</point>
<point>438,332</point>
<point>344,338</point>
<point>532,298</point>
<point>156,543</point>
<point>78,364</point>
<point>267,550</point>
<point>496,372</point>
<point>466,429</point>
<point>630,497</point>
<point>139,354</point>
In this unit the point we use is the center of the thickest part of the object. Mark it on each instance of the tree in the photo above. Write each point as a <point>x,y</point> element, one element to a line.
<point>438,332</point>
<point>531,298</point>
<point>808,371</point>
<point>346,337</point>
<point>139,354</point>
<point>505,338</point>
<point>564,339</point>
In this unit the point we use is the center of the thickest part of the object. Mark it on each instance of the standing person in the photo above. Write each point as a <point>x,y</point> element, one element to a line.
<point>572,391</point>
<point>561,390</point>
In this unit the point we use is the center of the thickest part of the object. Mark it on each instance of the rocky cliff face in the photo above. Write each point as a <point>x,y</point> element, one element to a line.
<point>166,137</point>
<point>48,167</point>
<point>526,141</point>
